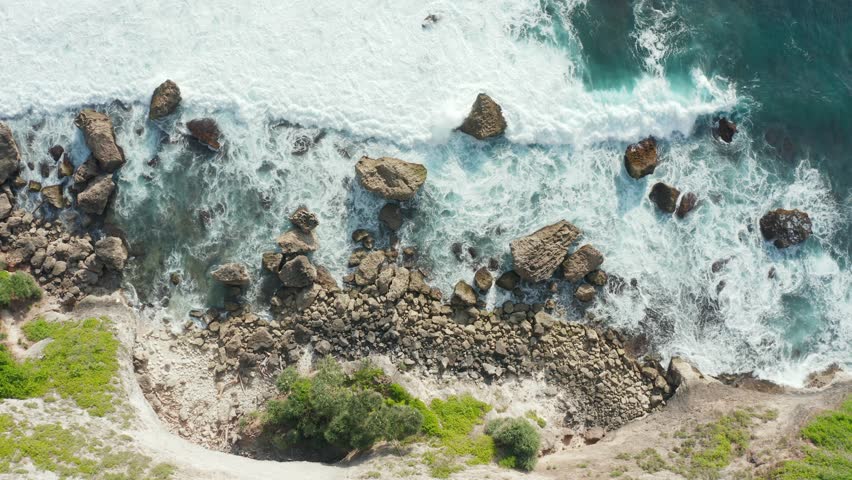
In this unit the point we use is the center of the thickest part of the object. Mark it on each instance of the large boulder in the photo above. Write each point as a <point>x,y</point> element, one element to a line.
<point>233,274</point>
<point>5,206</point>
<point>640,159</point>
<point>298,272</point>
<point>165,100</point>
<point>463,295</point>
<point>304,219</point>
<point>53,195</point>
<point>687,204</point>
<point>368,269</point>
<point>100,138</point>
<point>297,242</point>
<point>726,130</point>
<point>66,168</point>
<point>271,261</point>
<point>87,170</point>
<point>391,178</point>
<point>485,119</point>
<point>664,196</point>
<point>582,262</point>
<point>391,216</point>
<point>508,280</point>
<point>786,227</point>
<point>585,293</point>
<point>111,252</point>
<point>96,195</point>
<point>483,279</point>
<point>539,254</point>
<point>10,157</point>
<point>206,131</point>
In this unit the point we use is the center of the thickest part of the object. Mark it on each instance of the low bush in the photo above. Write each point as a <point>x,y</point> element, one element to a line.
<point>517,440</point>
<point>830,456</point>
<point>17,287</point>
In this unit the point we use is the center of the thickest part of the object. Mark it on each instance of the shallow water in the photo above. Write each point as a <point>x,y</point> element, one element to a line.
<point>578,81</point>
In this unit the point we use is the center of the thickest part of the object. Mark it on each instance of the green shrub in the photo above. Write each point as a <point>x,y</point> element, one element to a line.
<point>517,440</point>
<point>16,380</point>
<point>332,409</point>
<point>830,458</point>
<point>37,330</point>
<point>17,287</point>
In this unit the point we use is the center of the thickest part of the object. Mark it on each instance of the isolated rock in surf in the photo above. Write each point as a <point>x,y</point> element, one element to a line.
<point>726,130</point>
<point>463,295</point>
<point>391,178</point>
<point>485,119</point>
<point>10,157</point>
<point>165,100</point>
<point>539,254</point>
<point>640,159</point>
<point>786,227</point>
<point>304,219</point>
<point>664,196</point>
<point>687,203</point>
<point>206,131</point>
<point>100,138</point>
<point>96,195</point>
<point>234,274</point>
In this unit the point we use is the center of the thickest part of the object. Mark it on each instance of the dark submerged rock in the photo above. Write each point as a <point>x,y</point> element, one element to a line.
<point>687,204</point>
<point>726,130</point>
<point>664,196</point>
<point>786,227</point>
<point>206,131</point>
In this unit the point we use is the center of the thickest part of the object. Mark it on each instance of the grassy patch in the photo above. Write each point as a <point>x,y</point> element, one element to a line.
<point>71,452</point>
<point>830,456</point>
<point>532,415</point>
<point>79,364</point>
<point>17,287</point>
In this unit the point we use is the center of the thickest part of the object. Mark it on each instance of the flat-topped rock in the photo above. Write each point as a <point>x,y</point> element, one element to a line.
<point>95,197</point>
<point>390,178</point>
<point>582,262</point>
<point>206,131</point>
<point>539,254</point>
<point>297,242</point>
<point>234,274</point>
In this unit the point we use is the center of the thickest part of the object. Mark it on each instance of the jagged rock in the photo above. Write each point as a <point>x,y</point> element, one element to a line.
<point>399,285</point>
<point>100,138</point>
<point>683,374</point>
<point>325,279</point>
<point>582,262</point>
<point>10,157</point>
<point>585,293</point>
<point>5,206</point>
<point>66,168</point>
<point>260,339</point>
<point>175,278</point>
<point>53,195</point>
<point>485,119</point>
<point>594,435</point>
<point>206,131</point>
<point>390,178</point>
<point>687,204</point>
<point>664,196</point>
<point>508,280</point>
<point>323,347</point>
<point>640,159</point>
<point>391,216</point>
<point>233,274</point>
<point>96,195</point>
<point>786,227</point>
<point>304,219</point>
<point>165,100</point>
<point>297,242</point>
<point>56,152</point>
<point>298,272</point>
<point>597,278</point>
<point>87,170</point>
<point>463,295</point>
<point>429,21</point>
<point>271,261</point>
<point>726,130</point>
<point>364,238</point>
<point>112,253</point>
<point>539,254</point>
<point>483,279</point>
<point>368,269</point>
<point>34,186</point>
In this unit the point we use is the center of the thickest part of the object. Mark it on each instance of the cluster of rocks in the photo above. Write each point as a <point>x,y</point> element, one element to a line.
<point>68,266</point>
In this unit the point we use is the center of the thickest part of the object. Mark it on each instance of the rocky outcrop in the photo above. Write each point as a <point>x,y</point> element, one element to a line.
<point>582,262</point>
<point>463,295</point>
<point>10,157</point>
<point>95,197</point>
<point>390,178</point>
<point>53,195</point>
<point>786,227</point>
<point>726,130</point>
<point>271,261</point>
<point>165,100</point>
<point>66,168</point>
<point>206,131</point>
<point>112,253</point>
<point>233,274</point>
<point>664,196</point>
<point>298,272</point>
<point>687,203</point>
<point>508,280</point>
<point>5,206</point>
<point>585,293</point>
<point>304,219</point>
<point>483,279</point>
<point>597,278</point>
<point>391,216</point>
<point>485,119</point>
<point>539,254</point>
<point>87,170</point>
<point>297,242</point>
<point>368,268</point>
<point>640,159</point>
<point>100,138</point>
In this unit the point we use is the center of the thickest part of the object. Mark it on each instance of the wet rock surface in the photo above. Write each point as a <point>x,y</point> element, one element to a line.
<point>664,197</point>
<point>786,227</point>
<point>205,131</point>
<point>485,119</point>
<point>100,138</point>
<point>640,159</point>
<point>537,256</point>
<point>10,156</point>
<point>165,100</point>
<point>390,178</point>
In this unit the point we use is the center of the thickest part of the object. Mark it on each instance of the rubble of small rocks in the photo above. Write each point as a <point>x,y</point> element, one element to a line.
<point>640,159</point>
<point>390,178</point>
<point>485,119</point>
<point>786,227</point>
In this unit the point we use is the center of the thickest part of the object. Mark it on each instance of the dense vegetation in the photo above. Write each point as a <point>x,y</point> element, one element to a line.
<point>80,363</point>
<point>17,287</point>
<point>517,439</point>
<point>830,455</point>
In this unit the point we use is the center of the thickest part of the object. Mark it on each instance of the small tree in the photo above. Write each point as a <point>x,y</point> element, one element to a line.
<point>17,287</point>
<point>517,439</point>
